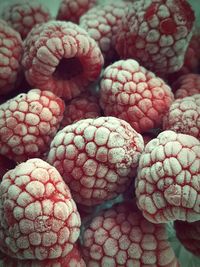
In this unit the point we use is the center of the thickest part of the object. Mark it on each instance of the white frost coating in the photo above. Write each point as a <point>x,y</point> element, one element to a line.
<point>36,189</point>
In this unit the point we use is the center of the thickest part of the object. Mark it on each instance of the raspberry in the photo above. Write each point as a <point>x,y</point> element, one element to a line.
<point>167,186</point>
<point>61,57</point>
<point>188,234</point>
<point>22,15</point>
<point>72,10</point>
<point>28,123</point>
<point>130,92</point>
<point>101,23</point>
<point>39,219</point>
<point>82,107</point>
<point>187,85</point>
<point>184,116</point>
<point>120,237</point>
<point>72,259</point>
<point>96,157</point>
<point>156,33</point>
<point>11,49</point>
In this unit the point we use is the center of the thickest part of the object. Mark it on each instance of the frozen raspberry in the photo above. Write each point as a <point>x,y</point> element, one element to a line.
<point>72,259</point>
<point>39,219</point>
<point>5,165</point>
<point>121,237</point>
<point>11,50</point>
<point>167,186</point>
<point>156,33</point>
<point>22,15</point>
<point>61,57</point>
<point>184,116</point>
<point>189,235</point>
<point>96,157</point>
<point>130,92</point>
<point>72,10</point>
<point>187,85</point>
<point>28,123</point>
<point>82,107</point>
<point>101,23</point>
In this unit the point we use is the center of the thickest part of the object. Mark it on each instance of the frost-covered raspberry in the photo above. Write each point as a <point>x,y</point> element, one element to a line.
<point>96,157</point>
<point>72,10</point>
<point>184,116</point>
<point>23,15</point>
<point>132,93</point>
<point>11,49</point>
<point>83,107</point>
<point>61,57</point>
<point>101,23</point>
<point>121,237</point>
<point>187,85</point>
<point>39,219</point>
<point>28,123</point>
<point>167,184</point>
<point>72,259</point>
<point>189,235</point>
<point>156,33</point>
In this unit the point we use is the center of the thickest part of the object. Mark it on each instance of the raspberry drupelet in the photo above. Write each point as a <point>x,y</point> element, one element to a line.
<point>156,33</point>
<point>28,123</point>
<point>39,219</point>
<point>23,15</point>
<point>132,93</point>
<point>61,57</point>
<point>167,186</point>
<point>184,116</point>
<point>122,237</point>
<point>97,158</point>
<point>72,10</point>
<point>101,23</point>
<point>11,50</point>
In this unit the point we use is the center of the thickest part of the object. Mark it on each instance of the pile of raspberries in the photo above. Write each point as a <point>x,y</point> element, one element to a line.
<point>99,133</point>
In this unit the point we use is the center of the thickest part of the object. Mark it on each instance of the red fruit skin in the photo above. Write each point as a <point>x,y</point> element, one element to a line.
<point>156,33</point>
<point>39,219</point>
<point>130,92</point>
<point>167,187</point>
<point>73,259</point>
<point>122,237</point>
<point>23,15</point>
<point>72,10</point>
<point>97,158</point>
<point>11,50</point>
<point>184,116</point>
<point>28,123</point>
<point>61,57</point>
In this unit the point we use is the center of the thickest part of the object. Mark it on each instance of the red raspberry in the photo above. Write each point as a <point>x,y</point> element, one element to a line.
<point>120,237</point>
<point>72,259</point>
<point>130,92</point>
<point>23,15</point>
<point>82,107</point>
<point>28,123</point>
<point>189,235</point>
<point>167,186</point>
<point>101,23</point>
<point>96,157</point>
<point>39,219</point>
<point>187,85</point>
<point>184,116</point>
<point>11,50</point>
<point>72,10</point>
<point>156,33</point>
<point>61,57</point>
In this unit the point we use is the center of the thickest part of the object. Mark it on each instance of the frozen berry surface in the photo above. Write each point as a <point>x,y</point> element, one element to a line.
<point>167,186</point>
<point>132,93</point>
<point>96,157</point>
<point>39,219</point>
<point>61,57</point>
